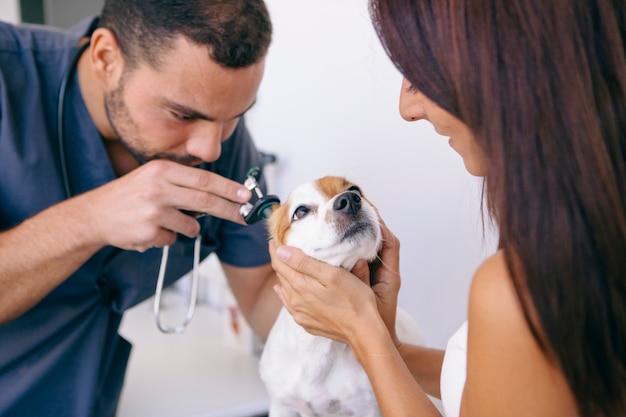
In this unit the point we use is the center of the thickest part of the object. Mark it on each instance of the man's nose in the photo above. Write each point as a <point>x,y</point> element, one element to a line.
<point>411,104</point>
<point>205,141</point>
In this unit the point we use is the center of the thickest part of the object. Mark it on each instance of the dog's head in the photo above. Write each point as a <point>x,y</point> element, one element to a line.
<point>329,219</point>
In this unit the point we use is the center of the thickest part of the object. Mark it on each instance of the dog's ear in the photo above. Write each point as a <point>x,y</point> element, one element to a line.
<point>278,223</point>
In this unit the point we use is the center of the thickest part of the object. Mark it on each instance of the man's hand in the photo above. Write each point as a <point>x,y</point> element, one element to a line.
<point>137,211</point>
<point>142,209</point>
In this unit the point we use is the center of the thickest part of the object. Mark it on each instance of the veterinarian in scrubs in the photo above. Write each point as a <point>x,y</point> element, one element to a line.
<point>532,95</point>
<point>101,144</point>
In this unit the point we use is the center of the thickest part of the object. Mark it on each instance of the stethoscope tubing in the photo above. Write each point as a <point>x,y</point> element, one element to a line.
<point>61,114</point>
<point>193,293</point>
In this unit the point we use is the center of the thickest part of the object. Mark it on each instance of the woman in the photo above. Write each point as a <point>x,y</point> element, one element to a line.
<point>533,96</point>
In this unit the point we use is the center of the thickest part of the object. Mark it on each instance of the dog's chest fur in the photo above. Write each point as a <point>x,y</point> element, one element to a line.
<point>308,375</point>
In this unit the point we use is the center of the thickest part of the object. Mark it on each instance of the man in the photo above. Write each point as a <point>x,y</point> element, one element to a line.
<point>99,169</point>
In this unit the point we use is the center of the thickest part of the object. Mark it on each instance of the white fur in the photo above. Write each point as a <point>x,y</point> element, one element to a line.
<point>319,234</point>
<point>308,375</point>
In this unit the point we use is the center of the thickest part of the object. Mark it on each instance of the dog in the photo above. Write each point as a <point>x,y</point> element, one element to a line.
<point>305,375</point>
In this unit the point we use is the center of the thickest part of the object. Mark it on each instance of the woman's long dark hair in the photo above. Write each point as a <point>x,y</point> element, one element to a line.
<point>542,86</point>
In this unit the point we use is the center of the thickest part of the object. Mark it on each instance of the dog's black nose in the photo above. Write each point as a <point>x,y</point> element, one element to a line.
<point>349,202</point>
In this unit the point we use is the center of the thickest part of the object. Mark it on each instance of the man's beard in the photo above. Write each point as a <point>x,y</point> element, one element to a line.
<point>120,120</point>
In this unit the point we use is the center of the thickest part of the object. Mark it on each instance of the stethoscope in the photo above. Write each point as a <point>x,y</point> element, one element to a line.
<point>61,113</point>
<point>251,212</point>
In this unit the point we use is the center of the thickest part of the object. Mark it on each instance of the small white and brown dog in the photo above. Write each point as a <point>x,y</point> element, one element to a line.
<point>305,375</point>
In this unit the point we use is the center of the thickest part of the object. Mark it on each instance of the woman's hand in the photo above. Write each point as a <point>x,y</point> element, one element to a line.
<point>326,300</point>
<point>332,302</point>
<point>385,280</point>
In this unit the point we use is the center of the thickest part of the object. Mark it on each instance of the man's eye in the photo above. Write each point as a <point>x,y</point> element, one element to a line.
<point>300,213</point>
<point>182,117</point>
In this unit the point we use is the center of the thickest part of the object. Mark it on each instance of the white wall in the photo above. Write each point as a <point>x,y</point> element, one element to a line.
<point>66,13</point>
<point>10,11</point>
<point>329,105</point>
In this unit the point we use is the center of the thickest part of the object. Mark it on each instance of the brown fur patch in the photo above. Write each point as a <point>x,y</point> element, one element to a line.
<point>278,223</point>
<point>331,186</point>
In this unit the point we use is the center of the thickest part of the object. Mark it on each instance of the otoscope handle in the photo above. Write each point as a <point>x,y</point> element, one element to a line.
<point>262,208</point>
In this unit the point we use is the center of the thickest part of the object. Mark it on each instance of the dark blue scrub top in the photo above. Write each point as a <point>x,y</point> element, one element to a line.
<point>64,357</point>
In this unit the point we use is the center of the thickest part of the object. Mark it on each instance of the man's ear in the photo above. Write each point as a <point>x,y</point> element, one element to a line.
<point>105,56</point>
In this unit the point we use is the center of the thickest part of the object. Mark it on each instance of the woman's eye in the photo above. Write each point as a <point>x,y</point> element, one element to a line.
<point>300,213</point>
<point>412,89</point>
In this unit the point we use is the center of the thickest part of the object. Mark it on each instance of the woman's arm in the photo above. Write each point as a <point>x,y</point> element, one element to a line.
<point>425,365</point>
<point>507,372</point>
<point>396,388</point>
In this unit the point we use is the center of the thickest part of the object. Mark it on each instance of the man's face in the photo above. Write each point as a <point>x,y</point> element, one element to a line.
<point>184,110</point>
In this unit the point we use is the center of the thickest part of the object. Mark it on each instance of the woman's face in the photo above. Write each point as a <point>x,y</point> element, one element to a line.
<point>414,105</point>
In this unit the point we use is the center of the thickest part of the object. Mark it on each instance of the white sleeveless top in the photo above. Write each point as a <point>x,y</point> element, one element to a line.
<point>453,372</point>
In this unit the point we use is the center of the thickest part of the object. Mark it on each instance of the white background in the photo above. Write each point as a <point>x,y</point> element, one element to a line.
<point>329,106</point>
<point>9,11</point>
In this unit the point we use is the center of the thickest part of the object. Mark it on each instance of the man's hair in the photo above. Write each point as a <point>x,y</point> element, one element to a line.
<point>542,87</point>
<point>237,33</point>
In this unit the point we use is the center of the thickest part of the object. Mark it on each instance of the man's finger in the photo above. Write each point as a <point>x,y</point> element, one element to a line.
<point>212,183</point>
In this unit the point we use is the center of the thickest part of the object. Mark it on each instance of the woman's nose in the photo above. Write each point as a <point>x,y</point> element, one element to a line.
<point>411,104</point>
<point>205,141</point>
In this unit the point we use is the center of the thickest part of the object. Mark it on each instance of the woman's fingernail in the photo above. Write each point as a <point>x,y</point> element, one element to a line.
<point>276,288</point>
<point>284,253</point>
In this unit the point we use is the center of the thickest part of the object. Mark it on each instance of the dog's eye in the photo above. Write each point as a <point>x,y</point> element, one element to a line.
<point>300,212</point>
<point>355,189</point>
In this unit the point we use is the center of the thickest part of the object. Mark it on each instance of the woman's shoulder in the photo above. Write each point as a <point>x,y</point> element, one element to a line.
<point>507,371</point>
<point>495,309</point>
<point>492,282</point>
